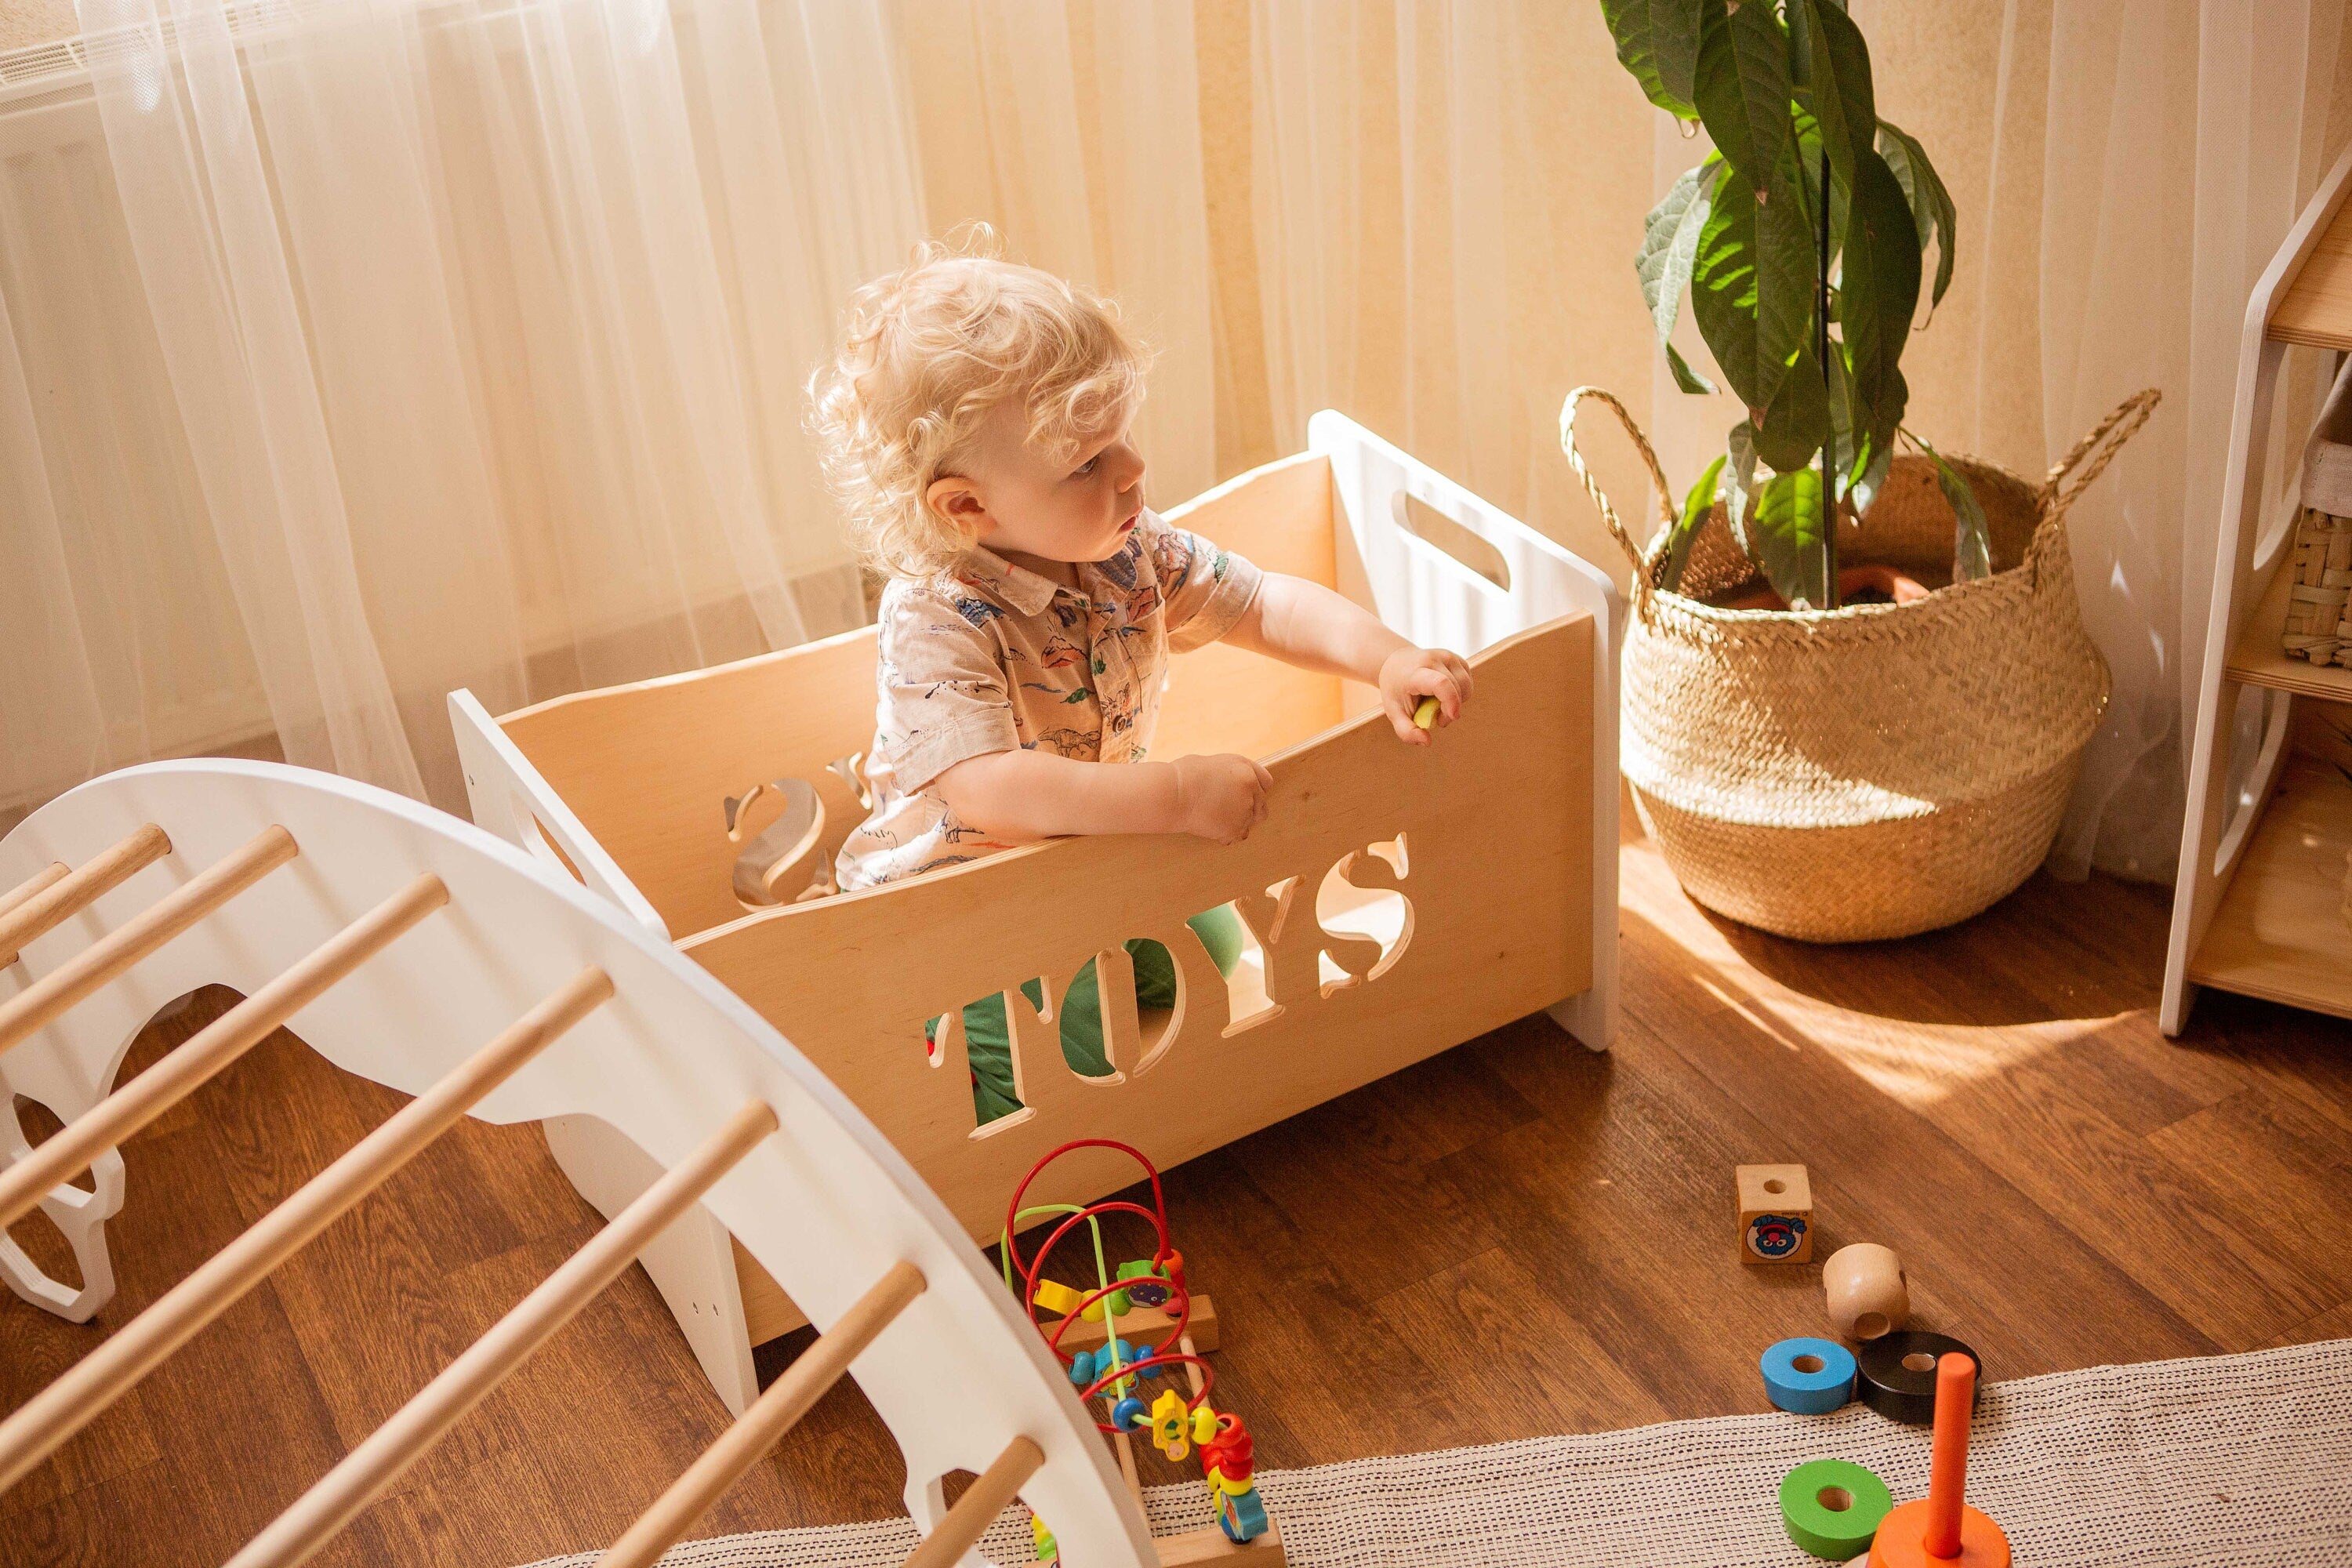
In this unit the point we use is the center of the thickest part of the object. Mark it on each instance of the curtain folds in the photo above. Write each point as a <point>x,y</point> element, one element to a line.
<point>360,348</point>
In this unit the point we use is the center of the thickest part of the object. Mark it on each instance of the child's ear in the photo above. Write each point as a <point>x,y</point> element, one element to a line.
<point>955,497</point>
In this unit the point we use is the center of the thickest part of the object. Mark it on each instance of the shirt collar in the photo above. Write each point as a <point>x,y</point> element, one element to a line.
<point>1027,592</point>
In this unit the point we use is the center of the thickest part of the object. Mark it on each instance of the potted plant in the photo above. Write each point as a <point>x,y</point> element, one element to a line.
<point>1856,683</point>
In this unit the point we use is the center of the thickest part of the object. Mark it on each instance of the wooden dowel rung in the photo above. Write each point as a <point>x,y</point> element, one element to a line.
<point>221,1042</point>
<point>392,1447</point>
<point>66,895</point>
<point>773,1414</point>
<point>113,954</point>
<point>40,881</point>
<point>45,1421</point>
<point>974,1512</point>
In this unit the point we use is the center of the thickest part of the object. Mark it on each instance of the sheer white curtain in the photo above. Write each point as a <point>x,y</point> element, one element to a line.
<point>1445,199</point>
<point>1074,127</point>
<point>448,344</point>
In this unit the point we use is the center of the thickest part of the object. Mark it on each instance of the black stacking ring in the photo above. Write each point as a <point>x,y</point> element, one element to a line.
<point>1902,1393</point>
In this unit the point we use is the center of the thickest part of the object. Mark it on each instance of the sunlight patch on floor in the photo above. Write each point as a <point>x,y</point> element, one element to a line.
<point>1916,1063</point>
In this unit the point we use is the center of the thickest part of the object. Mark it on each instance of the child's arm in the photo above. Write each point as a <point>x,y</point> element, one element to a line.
<point>1308,625</point>
<point>1022,796</point>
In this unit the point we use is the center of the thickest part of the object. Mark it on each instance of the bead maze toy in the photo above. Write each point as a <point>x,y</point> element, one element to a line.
<point>1941,1530</point>
<point>1152,1299</point>
<point>416,950</point>
<point>1400,899</point>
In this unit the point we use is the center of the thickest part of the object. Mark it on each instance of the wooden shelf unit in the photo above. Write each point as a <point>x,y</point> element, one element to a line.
<point>2258,906</point>
<point>2280,932</point>
<point>2259,658</point>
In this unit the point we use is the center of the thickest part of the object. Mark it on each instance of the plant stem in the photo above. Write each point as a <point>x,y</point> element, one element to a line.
<point>1829,441</point>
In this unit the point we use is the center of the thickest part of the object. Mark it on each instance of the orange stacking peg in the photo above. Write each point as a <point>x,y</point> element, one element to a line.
<point>1941,1530</point>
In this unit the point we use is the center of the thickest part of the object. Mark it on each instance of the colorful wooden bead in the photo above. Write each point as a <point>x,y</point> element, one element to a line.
<point>1149,1286</point>
<point>1776,1213</point>
<point>1204,1424</point>
<point>1128,1414</point>
<point>1082,1368</point>
<point>1241,1515</point>
<point>1810,1378</point>
<point>1056,1296</point>
<point>1168,1424</point>
<point>1868,1295</point>
<point>1899,1373</point>
<point>1049,1550</point>
<point>1832,1508</point>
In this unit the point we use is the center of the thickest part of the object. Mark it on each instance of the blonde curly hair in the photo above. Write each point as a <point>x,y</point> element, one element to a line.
<point>928,355</point>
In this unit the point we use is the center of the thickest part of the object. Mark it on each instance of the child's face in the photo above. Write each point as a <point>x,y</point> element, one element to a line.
<point>1020,500</point>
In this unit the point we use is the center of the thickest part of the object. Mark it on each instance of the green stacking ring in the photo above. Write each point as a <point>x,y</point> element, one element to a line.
<point>1837,1533</point>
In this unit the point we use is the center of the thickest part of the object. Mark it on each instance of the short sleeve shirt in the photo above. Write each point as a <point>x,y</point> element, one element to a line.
<point>990,657</point>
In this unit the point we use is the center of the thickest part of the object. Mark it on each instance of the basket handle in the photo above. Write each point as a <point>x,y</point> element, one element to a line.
<point>2106,439</point>
<point>1592,485</point>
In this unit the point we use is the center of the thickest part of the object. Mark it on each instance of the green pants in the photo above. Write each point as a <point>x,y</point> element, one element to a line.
<point>988,1044</point>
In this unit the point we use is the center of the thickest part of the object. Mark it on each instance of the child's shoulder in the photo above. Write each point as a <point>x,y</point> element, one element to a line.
<point>945,601</point>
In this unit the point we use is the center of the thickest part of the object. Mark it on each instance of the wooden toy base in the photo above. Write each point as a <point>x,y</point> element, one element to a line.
<point>1209,1545</point>
<point>1148,1326</point>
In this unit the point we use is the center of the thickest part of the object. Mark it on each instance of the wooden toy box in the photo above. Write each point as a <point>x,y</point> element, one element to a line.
<point>1400,899</point>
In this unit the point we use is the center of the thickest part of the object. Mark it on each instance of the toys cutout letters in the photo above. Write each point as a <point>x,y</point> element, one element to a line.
<point>1312,936</point>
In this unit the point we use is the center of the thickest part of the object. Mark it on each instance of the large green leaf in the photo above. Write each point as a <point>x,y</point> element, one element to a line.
<point>1790,435</point>
<point>1723,292</point>
<point>1932,212</point>
<point>1700,501</point>
<point>1740,481</point>
<point>1753,281</point>
<point>1833,67</point>
<point>1878,288</point>
<point>1689,380</point>
<point>1788,284</point>
<point>1972,534</point>
<point>1743,88</point>
<point>1670,243</point>
<point>1657,41</point>
<point>1785,525</point>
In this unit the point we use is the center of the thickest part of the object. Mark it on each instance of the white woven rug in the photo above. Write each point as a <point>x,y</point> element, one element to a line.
<point>2241,1461</point>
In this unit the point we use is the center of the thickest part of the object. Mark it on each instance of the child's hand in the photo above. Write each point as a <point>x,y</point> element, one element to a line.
<point>1411,674</point>
<point>1220,798</point>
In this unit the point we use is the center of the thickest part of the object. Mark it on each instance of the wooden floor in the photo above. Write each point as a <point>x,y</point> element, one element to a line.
<point>1518,1237</point>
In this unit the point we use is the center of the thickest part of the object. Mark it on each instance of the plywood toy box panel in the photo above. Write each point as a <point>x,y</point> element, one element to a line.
<point>1400,899</point>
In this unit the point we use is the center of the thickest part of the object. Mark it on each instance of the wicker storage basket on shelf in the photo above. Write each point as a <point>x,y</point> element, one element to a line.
<point>2318,617</point>
<point>1879,770</point>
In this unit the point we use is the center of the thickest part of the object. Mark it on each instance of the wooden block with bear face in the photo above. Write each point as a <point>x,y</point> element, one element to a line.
<point>1776,1213</point>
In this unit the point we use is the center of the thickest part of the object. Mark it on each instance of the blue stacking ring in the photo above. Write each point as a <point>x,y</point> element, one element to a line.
<point>1808,1393</point>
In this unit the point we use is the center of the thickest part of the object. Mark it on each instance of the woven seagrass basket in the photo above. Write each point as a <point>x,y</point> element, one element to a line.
<point>1879,770</point>
<point>2319,608</point>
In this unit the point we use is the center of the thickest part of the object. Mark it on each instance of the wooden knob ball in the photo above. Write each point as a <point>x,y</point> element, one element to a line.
<point>1868,1295</point>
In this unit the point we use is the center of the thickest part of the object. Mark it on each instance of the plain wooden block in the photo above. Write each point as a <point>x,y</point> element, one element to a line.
<point>1776,1213</point>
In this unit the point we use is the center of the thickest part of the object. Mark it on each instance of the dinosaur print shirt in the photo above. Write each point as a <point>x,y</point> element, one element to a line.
<point>989,656</point>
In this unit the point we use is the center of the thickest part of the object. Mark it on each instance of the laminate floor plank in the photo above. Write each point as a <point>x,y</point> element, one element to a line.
<point>1516,1237</point>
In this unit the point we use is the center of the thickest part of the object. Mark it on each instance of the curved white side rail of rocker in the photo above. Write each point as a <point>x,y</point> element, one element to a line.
<point>670,1059</point>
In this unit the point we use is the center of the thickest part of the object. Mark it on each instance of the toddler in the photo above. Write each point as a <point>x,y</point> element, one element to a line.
<point>974,424</point>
